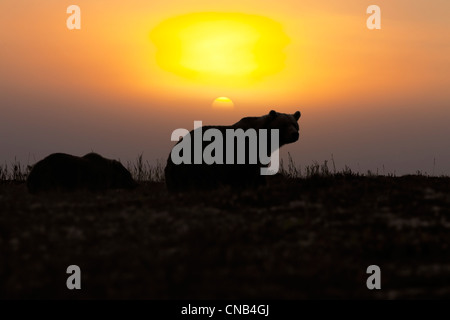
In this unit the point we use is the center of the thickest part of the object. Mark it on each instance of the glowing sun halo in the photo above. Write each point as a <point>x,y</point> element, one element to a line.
<point>220,48</point>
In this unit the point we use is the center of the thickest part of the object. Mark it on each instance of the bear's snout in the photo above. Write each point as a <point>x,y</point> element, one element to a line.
<point>295,136</point>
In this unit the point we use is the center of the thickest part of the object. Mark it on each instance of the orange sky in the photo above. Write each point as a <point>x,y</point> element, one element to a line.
<point>372,98</point>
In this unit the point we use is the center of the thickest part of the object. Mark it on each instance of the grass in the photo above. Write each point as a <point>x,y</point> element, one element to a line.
<point>309,236</point>
<point>290,239</point>
<point>145,171</point>
<point>14,172</point>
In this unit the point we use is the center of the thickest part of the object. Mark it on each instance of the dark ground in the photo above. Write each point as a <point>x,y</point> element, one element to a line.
<point>296,239</point>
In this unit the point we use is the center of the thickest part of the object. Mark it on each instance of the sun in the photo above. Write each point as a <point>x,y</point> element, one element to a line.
<point>220,48</point>
<point>223,103</point>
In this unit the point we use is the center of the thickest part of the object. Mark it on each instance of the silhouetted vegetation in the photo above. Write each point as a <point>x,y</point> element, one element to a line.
<point>146,171</point>
<point>309,233</point>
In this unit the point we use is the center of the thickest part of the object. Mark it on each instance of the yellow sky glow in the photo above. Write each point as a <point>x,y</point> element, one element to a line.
<point>286,54</point>
<point>220,48</point>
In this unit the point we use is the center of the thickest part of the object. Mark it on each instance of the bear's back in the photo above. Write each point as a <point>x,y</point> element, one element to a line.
<point>66,172</point>
<point>58,170</point>
<point>205,176</point>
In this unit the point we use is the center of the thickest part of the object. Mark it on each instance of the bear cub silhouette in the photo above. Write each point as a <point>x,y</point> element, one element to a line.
<point>64,172</point>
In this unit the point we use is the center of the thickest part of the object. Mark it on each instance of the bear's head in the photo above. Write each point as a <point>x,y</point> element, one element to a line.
<point>287,124</point>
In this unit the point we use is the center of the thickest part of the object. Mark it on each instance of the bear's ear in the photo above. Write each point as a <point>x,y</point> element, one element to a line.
<point>297,115</point>
<point>273,113</point>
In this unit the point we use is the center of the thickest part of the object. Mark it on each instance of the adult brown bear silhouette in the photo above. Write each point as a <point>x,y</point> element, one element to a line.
<point>64,172</point>
<point>181,177</point>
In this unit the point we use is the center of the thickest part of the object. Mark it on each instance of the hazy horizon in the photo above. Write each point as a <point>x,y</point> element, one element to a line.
<point>374,99</point>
